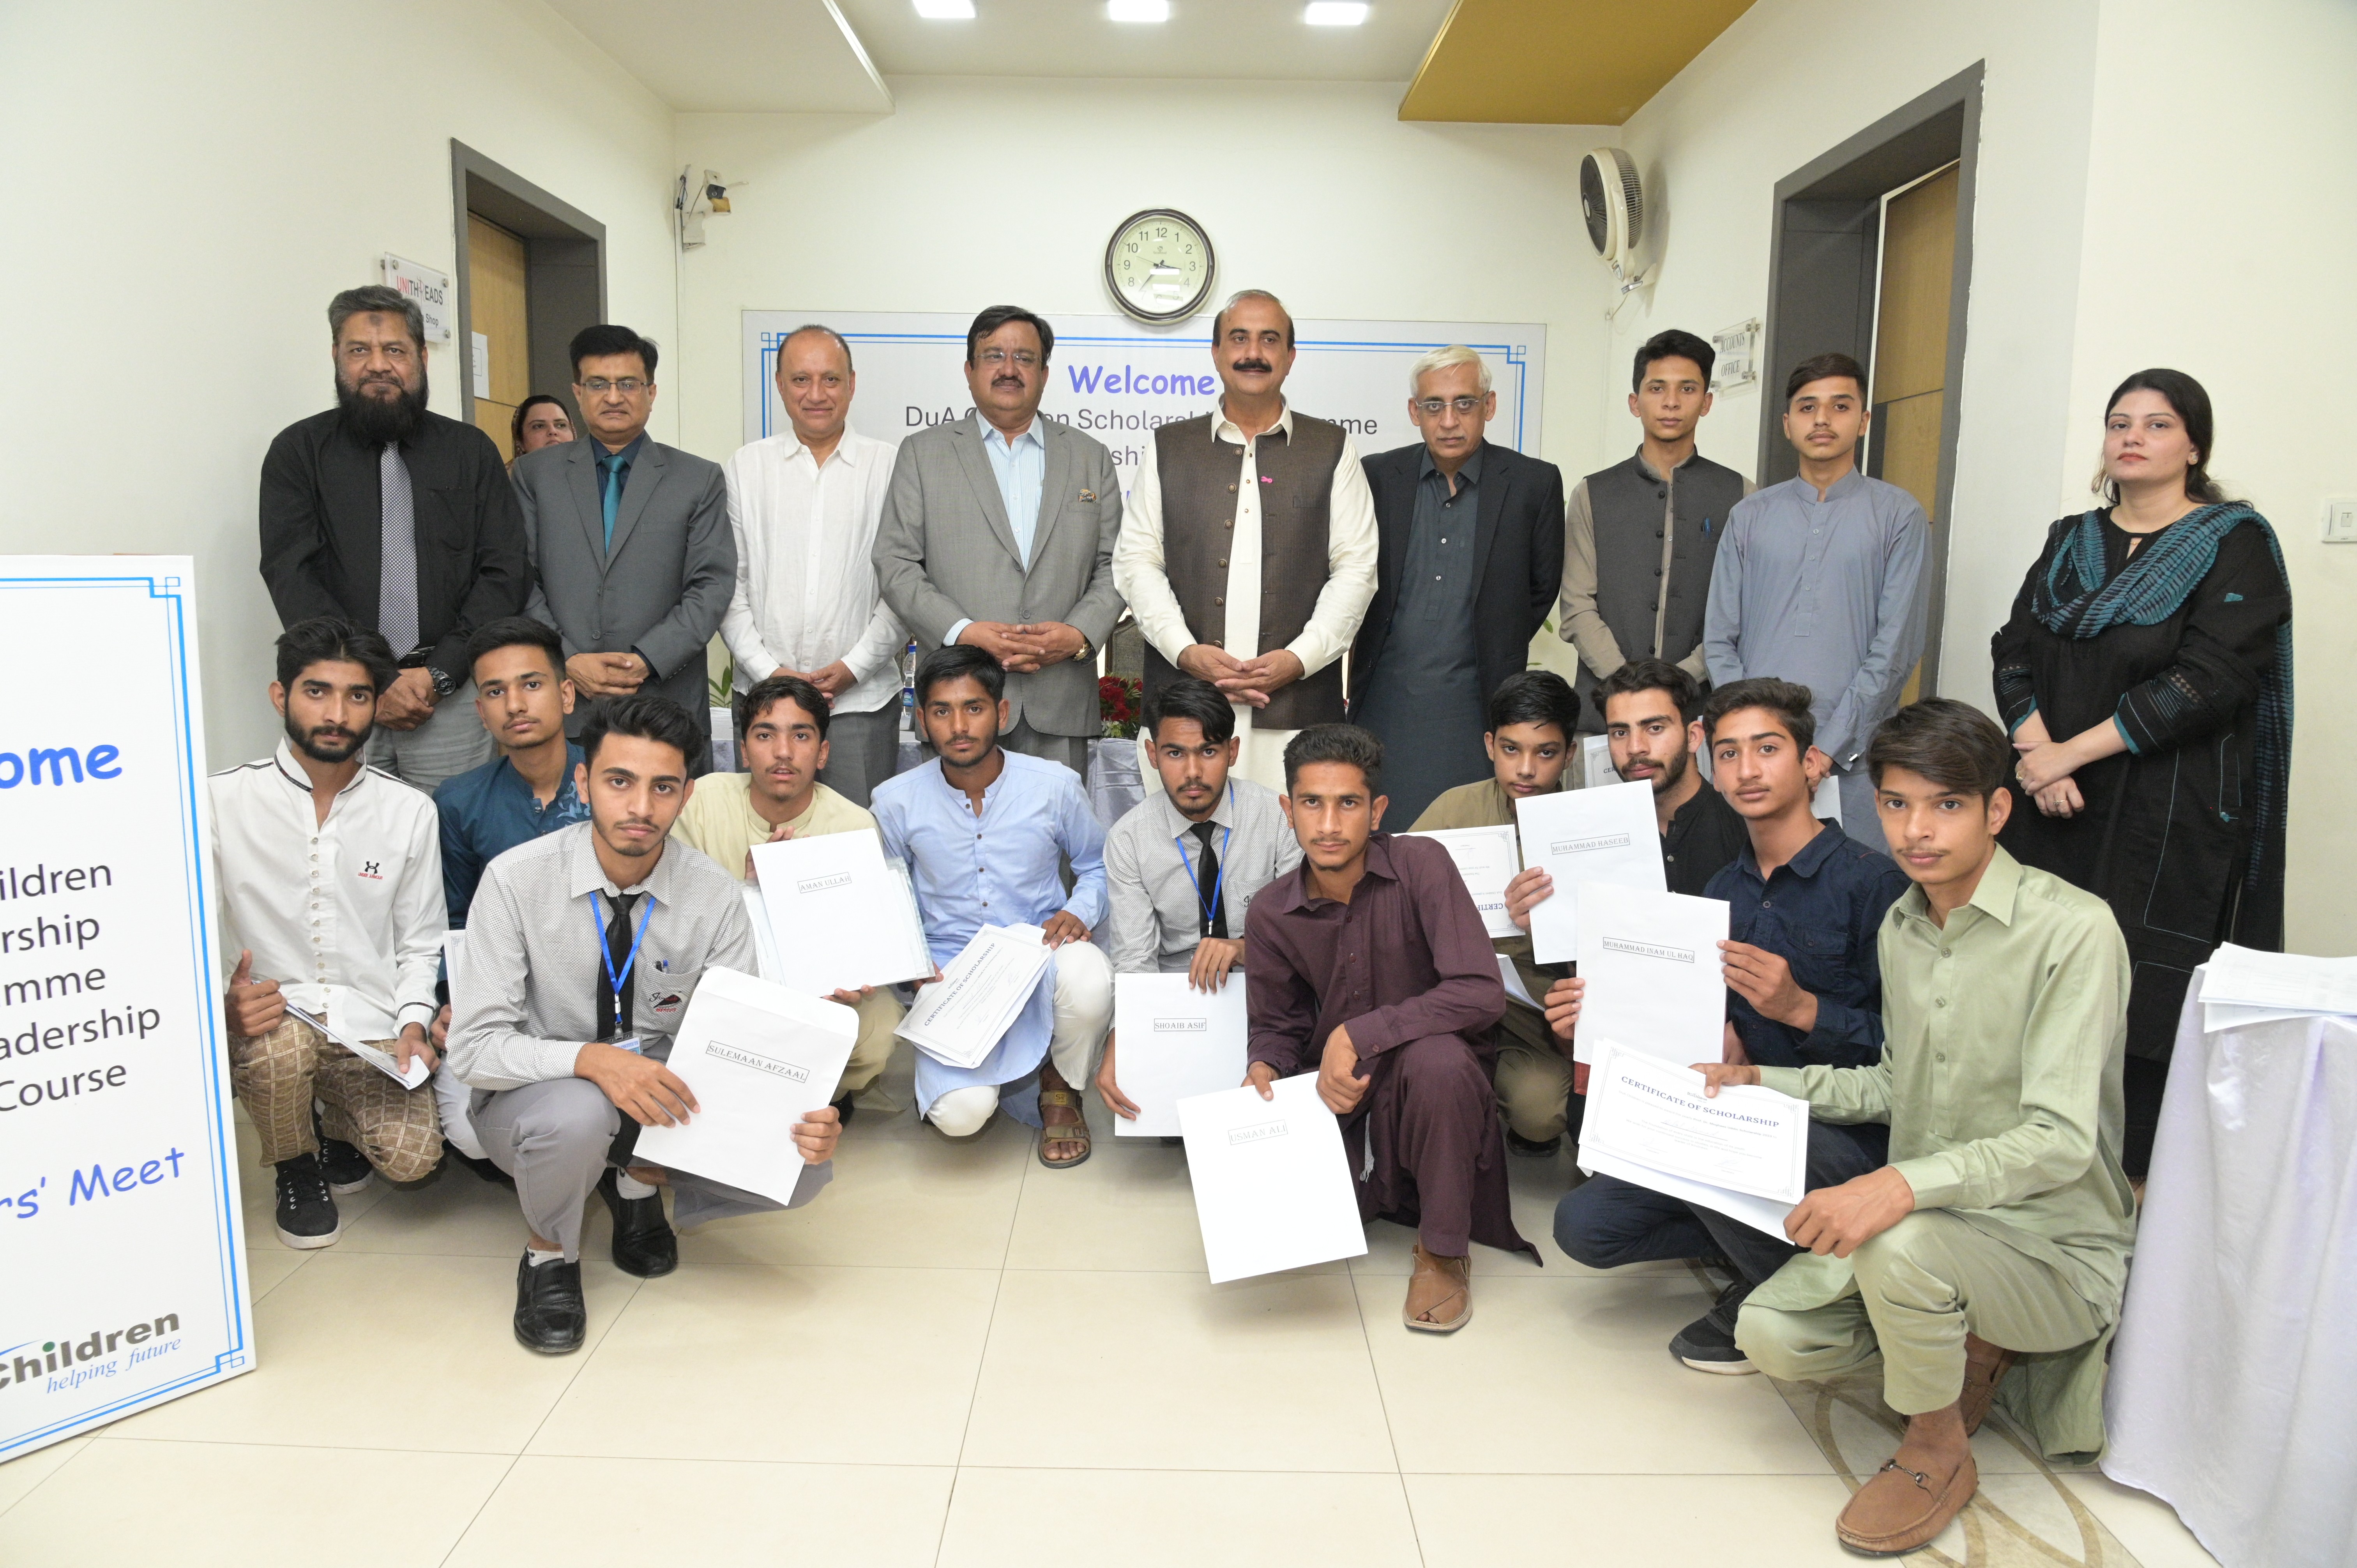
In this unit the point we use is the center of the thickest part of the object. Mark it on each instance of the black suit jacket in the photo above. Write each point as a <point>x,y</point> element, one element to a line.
<point>323,531</point>
<point>1522,555</point>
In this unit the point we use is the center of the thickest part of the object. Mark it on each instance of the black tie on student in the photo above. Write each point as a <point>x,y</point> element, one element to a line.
<point>1208,896</point>
<point>614,1023</point>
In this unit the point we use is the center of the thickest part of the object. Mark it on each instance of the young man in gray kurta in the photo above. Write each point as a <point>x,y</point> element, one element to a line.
<point>1820,581</point>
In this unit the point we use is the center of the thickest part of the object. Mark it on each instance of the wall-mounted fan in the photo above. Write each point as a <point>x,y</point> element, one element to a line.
<point>1613,203</point>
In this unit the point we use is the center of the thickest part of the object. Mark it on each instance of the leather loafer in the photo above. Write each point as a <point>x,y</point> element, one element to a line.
<point>1898,1509</point>
<point>550,1315</point>
<point>644,1242</point>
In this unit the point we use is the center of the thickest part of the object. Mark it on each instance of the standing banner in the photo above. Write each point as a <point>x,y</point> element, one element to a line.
<point>121,1248</point>
<point>1117,380</point>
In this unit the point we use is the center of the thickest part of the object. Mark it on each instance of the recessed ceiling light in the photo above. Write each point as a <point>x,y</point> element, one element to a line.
<point>1335,12</point>
<point>1138,10</point>
<point>946,10</point>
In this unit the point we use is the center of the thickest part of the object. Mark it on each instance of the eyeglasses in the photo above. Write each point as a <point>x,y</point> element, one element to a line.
<point>1023,357</point>
<point>628,386</point>
<point>1433,406</point>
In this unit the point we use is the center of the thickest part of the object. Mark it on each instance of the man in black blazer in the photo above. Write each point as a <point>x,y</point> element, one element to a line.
<point>1472,556</point>
<point>379,479</point>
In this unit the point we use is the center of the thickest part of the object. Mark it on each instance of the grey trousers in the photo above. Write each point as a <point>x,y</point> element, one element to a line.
<point>1071,750</point>
<point>556,1136</point>
<point>1860,821</point>
<point>450,741</point>
<point>862,751</point>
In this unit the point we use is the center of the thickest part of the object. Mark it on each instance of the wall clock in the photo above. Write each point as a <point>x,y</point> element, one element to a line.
<point>1159,266</point>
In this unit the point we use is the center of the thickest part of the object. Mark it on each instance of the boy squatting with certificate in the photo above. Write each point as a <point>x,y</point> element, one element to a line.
<point>1990,1254</point>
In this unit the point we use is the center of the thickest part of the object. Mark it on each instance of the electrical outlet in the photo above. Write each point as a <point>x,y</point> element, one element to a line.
<point>2340,522</point>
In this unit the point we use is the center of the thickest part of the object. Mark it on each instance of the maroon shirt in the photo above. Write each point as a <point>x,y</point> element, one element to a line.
<point>1406,957</point>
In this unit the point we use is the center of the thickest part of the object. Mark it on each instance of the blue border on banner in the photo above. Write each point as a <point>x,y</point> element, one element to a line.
<point>1515,355</point>
<point>237,1354</point>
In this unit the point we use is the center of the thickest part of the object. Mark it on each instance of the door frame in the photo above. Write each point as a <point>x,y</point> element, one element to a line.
<point>565,269</point>
<point>1824,273</point>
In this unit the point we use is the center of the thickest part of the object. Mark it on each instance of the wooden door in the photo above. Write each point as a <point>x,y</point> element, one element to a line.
<point>495,300</point>
<point>1911,345</point>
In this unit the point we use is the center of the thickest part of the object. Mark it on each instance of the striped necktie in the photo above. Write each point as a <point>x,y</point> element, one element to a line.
<point>397,581</point>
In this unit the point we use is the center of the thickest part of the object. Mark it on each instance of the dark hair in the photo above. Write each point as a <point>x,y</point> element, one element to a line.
<point>516,427</point>
<point>323,639</point>
<point>1191,697</point>
<point>647,717</point>
<point>1535,697</point>
<point>762,695</point>
<point>1219,317</point>
<point>1336,743</point>
<point>2191,403</point>
<point>956,662</point>
<point>370,298</point>
<point>814,327</point>
<point>1952,744</point>
<point>1673,344</point>
<point>1819,367</point>
<point>607,338</point>
<point>517,631</point>
<point>1652,675</point>
<point>1782,698</point>
<point>999,316</point>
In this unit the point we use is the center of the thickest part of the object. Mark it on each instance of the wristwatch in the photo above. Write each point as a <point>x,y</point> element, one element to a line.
<point>1084,651</point>
<point>444,685</point>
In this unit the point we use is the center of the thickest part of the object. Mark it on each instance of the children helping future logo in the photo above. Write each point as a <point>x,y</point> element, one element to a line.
<point>65,1364</point>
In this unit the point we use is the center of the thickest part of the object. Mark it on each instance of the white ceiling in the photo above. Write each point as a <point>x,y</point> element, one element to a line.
<point>829,56</point>
<point>1257,39</point>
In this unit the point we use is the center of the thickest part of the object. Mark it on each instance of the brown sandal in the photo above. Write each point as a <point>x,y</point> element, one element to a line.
<point>1439,1293</point>
<point>1076,1131</point>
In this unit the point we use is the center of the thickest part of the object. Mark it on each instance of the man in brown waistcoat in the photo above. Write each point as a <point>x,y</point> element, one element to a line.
<point>1282,497</point>
<point>1640,537</point>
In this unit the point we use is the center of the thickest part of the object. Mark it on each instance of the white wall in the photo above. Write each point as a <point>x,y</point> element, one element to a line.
<point>186,186</point>
<point>981,192</point>
<point>2219,229</point>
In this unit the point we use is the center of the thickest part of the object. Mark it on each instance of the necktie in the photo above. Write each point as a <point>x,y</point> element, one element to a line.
<point>1207,895</point>
<point>617,471</point>
<point>618,953</point>
<point>396,579</point>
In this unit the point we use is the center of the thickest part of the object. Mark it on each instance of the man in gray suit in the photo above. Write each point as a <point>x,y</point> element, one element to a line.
<point>999,530</point>
<point>633,559</point>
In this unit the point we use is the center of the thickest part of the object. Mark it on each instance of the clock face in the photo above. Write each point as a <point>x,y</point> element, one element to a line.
<point>1160,265</point>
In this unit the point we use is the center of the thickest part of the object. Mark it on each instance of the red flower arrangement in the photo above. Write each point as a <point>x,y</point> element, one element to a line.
<point>1119,698</point>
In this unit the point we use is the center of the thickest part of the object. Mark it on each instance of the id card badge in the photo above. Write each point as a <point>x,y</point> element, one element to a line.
<point>630,1044</point>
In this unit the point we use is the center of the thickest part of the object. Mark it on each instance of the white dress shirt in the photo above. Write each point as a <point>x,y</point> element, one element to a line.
<point>806,590</point>
<point>1352,544</point>
<point>1021,467</point>
<point>347,913</point>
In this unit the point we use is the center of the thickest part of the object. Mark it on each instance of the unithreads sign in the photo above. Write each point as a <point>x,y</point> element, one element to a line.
<point>118,1184</point>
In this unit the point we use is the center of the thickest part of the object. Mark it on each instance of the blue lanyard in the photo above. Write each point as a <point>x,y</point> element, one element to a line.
<point>1212,909</point>
<point>606,958</point>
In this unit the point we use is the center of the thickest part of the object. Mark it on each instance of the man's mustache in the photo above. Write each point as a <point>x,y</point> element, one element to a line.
<point>1250,365</point>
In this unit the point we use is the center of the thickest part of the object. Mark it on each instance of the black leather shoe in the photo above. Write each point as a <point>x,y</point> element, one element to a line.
<point>644,1242</point>
<point>843,1110</point>
<point>550,1315</point>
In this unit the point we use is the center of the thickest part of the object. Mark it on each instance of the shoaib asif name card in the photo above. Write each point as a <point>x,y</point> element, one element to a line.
<point>839,916</point>
<point>1605,833</point>
<point>1487,858</point>
<point>1172,1041</point>
<point>1656,981</point>
<point>759,1058</point>
<point>1271,1182</point>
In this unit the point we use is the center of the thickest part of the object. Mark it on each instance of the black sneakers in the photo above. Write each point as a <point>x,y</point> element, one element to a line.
<point>346,1168</point>
<point>1707,1344</point>
<point>644,1242</point>
<point>550,1315</point>
<point>306,1209</point>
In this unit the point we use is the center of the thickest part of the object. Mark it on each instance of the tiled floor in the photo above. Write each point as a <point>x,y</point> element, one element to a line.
<point>956,1357</point>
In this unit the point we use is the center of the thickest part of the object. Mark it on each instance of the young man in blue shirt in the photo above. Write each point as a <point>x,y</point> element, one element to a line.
<point>1804,987</point>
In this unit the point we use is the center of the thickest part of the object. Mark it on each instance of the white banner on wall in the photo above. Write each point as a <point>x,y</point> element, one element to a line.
<point>1118,379</point>
<point>120,1240</point>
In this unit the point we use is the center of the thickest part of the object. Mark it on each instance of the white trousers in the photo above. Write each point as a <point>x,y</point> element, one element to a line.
<point>1083,1014</point>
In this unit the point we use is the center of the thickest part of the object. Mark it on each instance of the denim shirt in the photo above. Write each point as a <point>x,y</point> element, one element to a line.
<point>489,810</point>
<point>1820,912</point>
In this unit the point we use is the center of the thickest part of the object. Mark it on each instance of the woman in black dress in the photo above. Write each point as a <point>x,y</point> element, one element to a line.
<point>2145,677</point>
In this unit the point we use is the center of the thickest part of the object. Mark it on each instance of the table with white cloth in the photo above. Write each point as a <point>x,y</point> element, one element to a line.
<point>2232,1393</point>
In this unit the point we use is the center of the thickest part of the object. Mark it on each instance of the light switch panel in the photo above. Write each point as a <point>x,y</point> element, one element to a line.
<point>2340,522</point>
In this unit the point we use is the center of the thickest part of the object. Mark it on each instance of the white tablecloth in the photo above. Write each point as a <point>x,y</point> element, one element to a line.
<point>2233,1386</point>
